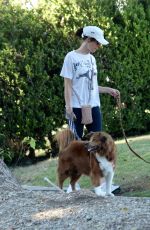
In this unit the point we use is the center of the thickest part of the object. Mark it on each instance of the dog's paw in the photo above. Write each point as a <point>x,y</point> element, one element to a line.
<point>77,188</point>
<point>110,194</point>
<point>99,192</point>
<point>69,189</point>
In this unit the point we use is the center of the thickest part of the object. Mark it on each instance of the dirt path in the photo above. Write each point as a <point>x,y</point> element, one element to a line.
<point>79,210</point>
<point>82,210</point>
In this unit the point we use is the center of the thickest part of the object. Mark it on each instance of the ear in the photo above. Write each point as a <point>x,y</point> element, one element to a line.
<point>86,144</point>
<point>103,139</point>
<point>88,39</point>
<point>88,136</point>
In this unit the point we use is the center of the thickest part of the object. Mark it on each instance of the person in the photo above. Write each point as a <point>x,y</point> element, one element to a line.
<point>81,87</point>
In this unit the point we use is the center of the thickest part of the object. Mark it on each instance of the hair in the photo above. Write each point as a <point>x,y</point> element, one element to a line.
<point>79,33</point>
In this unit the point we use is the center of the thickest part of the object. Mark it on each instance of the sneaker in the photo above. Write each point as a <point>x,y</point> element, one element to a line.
<point>77,188</point>
<point>114,188</point>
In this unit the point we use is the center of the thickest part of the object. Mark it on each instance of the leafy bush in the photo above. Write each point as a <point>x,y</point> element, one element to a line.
<point>33,45</point>
<point>5,152</point>
<point>127,65</point>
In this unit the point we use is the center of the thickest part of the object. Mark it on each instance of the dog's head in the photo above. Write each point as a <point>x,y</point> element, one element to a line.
<point>103,144</point>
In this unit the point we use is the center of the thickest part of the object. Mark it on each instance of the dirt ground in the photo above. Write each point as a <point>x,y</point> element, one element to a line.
<point>23,209</point>
<point>78,210</point>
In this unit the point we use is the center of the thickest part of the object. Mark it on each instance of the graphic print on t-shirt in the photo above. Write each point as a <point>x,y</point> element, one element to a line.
<point>85,69</point>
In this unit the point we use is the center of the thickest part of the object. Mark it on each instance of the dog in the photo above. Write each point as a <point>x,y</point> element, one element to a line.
<point>95,158</point>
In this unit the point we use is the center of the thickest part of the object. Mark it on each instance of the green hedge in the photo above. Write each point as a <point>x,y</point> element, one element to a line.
<point>33,45</point>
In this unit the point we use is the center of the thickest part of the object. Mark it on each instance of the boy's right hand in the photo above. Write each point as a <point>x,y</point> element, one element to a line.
<point>69,113</point>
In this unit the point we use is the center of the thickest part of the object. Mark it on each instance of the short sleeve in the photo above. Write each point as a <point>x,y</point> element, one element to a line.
<point>93,59</point>
<point>67,68</point>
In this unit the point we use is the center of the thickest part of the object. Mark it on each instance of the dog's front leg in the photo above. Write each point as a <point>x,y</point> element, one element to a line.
<point>108,172</point>
<point>95,177</point>
<point>109,178</point>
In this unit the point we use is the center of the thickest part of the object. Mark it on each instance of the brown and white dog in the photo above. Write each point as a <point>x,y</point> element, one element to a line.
<point>95,158</point>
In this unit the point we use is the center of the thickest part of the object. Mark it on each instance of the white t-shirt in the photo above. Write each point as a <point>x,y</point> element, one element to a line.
<point>82,69</point>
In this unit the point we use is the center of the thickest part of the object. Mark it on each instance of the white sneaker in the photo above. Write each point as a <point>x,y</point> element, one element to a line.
<point>113,187</point>
<point>77,188</point>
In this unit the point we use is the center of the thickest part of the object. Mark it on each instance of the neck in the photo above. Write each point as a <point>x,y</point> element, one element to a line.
<point>83,49</point>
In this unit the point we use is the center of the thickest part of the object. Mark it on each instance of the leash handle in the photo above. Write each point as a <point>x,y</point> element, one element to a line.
<point>120,118</point>
<point>71,124</point>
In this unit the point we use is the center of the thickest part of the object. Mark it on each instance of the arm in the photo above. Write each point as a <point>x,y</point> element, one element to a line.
<point>110,91</point>
<point>68,95</point>
<point>68,92</point>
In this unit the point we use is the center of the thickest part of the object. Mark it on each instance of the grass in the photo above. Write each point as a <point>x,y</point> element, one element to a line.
<point>132,174</point>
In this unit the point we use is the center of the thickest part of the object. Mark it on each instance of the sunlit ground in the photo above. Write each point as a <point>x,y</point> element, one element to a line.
<point>145,137</point>
<point>55,213</point>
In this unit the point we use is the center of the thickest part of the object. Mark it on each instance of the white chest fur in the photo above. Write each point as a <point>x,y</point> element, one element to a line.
<point>105,165</point>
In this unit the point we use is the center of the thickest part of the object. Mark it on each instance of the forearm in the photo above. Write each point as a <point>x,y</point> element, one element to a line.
<point>103,89</point>
<point>113,92</point>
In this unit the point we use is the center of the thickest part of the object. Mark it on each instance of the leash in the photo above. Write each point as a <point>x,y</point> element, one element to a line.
<point>71,124</point>
<point>120,118</point>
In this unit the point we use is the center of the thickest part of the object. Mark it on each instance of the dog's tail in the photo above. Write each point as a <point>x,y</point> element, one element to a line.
<point>64,138</point>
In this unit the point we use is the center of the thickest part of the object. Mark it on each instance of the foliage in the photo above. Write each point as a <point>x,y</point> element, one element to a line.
<point>29,79</point>
<point>33,45</point>
<point>5,152</point>
<point>29,141</point>
<point>128,68</point>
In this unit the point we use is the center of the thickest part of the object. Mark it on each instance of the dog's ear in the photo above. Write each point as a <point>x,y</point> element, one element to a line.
<point>87,136</point>
<point>86,144</point>
<point>103,139</point>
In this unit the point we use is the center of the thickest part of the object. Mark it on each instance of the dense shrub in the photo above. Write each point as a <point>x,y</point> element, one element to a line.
<point>128,67</point>
<point>33,45</point>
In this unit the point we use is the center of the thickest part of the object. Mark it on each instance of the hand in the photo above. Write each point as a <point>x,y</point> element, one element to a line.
<point>69,113</point>
<point>114,92</point>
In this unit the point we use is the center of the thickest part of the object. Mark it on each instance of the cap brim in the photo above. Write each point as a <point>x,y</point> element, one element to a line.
<point>103,41</point>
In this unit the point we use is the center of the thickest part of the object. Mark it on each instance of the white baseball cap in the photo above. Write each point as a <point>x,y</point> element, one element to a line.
<point>96,33</point>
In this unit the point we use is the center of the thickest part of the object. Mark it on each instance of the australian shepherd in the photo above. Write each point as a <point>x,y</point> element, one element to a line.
<point>95,158</point>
